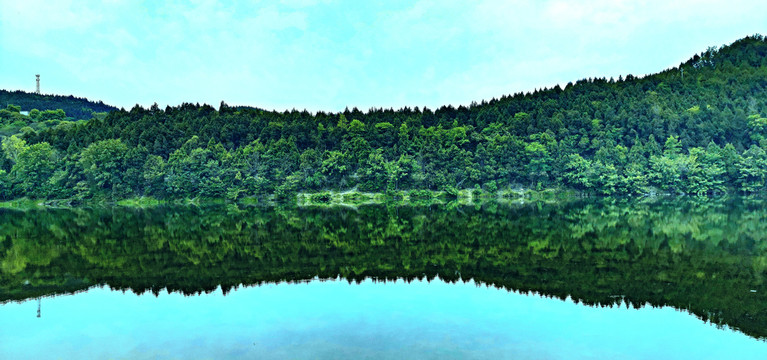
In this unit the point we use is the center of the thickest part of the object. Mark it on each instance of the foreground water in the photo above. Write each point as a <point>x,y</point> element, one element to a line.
<point>642,279</point>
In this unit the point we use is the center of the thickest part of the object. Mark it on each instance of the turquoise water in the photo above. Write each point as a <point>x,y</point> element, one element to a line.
<point>596,279</point>
<point>375,320</point>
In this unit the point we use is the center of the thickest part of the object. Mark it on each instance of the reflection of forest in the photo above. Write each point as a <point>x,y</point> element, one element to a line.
<point>706,257</point>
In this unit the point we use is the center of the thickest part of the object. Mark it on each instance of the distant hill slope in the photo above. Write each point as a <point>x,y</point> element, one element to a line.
<point>74,107</point>
<point>699,128</point>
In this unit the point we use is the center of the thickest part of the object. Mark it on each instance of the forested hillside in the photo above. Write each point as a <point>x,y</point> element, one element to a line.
<point>700,128</point>
<point>76,108</point>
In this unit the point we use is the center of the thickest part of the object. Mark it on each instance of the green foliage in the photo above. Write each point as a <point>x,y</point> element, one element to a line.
<point>5,185</point>
<point>34,166</point>
<point>321,197</point>
<point>12,147</point>
<point>578,172</point>
<point>102,164</point>
<point>288,190</point>
<point>335,167</point>
<point>540,161</point>
<point>154,174</point>
<point>356,127</point>
<point>667,172</point>
<point>77,108</point>
<point>753,170</point>
<point>491,186</point>
<point>712,252</point>
<point>597,136</point>
<point>451,192</point>
<point>672,147</point>
<point>420,194</point>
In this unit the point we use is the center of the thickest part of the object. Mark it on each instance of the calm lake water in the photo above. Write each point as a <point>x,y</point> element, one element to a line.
<point>630,279</point>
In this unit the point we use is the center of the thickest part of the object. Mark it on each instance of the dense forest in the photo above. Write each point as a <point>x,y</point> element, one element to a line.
<point>24,112</point>
<point>699,128</point>
<point>75,108</point>
<point>708,257</point>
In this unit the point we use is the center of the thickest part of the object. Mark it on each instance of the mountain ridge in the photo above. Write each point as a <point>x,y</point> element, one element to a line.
<point>694,61</point>
<point>697,129</point>
<point>75,107</point>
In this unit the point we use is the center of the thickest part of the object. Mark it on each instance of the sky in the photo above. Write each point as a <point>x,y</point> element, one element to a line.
<point>324,55</point>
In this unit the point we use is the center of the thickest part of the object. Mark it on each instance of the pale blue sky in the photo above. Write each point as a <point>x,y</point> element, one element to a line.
<point>326,55</point>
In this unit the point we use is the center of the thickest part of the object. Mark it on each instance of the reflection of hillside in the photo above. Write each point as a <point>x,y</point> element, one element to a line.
<point>700,256</point>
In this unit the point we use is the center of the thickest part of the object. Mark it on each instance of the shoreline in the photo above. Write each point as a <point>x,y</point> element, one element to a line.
<point>353,198</point>
<point>321,198</point>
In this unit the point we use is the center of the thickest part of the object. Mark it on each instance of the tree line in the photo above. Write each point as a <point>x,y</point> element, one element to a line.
<point>699,128</point>
<point>75,107</point>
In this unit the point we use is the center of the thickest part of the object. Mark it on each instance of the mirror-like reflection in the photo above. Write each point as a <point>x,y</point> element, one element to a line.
<point>369,320</point>
<point>706,257</point>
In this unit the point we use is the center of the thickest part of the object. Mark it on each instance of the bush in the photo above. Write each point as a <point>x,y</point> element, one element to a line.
<point>321,197</point>
<point>420,194</point>
<point>451,192</point>
<point>354,196</point>
<point>289,188</point>
<point>491,186</point>
<point>477,192</point>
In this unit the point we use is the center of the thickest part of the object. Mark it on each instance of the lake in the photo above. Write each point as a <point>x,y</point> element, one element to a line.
<point>657,278</point>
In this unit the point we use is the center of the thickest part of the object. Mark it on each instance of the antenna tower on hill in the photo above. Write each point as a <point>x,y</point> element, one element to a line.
<point>37,91</point>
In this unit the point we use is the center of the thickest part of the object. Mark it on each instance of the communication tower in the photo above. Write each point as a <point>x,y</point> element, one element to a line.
<point>38,84</point>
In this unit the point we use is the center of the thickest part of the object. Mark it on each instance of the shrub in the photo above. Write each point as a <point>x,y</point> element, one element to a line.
<point>324,197</point>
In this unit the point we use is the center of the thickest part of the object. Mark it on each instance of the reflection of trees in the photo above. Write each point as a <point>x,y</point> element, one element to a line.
<point>703,256</point>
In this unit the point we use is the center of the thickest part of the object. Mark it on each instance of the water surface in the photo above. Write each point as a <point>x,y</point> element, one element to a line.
<point>662,278</point>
